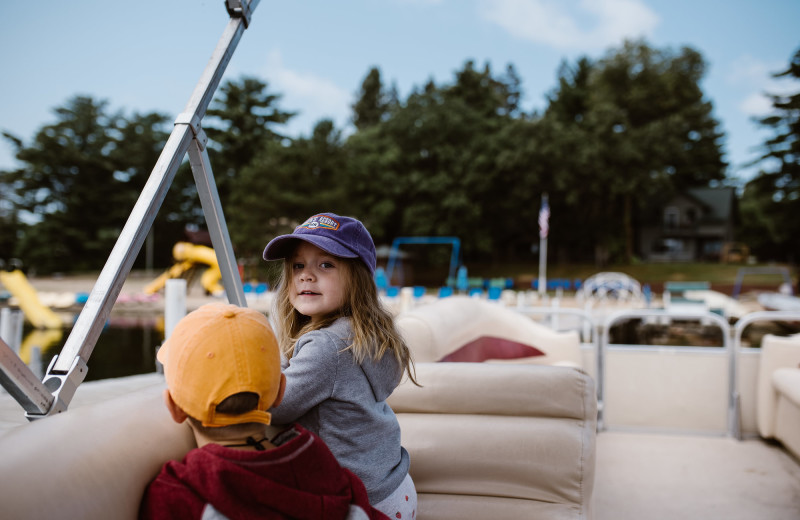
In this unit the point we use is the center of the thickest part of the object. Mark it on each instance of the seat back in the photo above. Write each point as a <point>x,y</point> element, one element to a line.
<point>460,328</point>
<point>90,462</point>
<point>500,440</point>
<point>776,352</point>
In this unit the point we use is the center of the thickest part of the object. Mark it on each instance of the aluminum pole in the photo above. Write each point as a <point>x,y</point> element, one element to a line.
<point>69,368</point>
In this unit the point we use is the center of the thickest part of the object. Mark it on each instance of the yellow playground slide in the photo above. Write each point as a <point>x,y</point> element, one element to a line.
<point>186,256</point>
<point>40,316</point>
<point>43,339</point>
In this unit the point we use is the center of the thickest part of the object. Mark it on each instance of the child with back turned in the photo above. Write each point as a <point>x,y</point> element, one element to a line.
<point>345,356</point>
<point>222,368</point>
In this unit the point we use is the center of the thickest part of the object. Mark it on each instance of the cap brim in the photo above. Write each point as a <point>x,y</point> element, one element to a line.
<point>282,246</point>
<point>161,354</point>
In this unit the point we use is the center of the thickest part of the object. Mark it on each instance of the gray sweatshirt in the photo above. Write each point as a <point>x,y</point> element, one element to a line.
<point>344,403</point>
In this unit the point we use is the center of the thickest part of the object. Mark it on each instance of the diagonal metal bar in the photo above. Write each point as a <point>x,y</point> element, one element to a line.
<point>21,382</point>
<point>215,219</point>
<point>69,368</point>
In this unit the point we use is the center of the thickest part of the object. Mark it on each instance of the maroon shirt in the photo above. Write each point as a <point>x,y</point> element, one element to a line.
<point>298,479</point>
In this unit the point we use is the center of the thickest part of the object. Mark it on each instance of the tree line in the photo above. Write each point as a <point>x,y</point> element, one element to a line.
<point>619,136</point>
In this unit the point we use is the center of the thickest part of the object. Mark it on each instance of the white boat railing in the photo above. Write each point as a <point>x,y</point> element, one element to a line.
<point>664,315</point>
<point>731,346</point>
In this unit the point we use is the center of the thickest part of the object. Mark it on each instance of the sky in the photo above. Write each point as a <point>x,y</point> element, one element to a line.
<point>147,55</point>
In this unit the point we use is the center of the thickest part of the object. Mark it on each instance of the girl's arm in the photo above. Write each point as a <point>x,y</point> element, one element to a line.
<point>310,377</point>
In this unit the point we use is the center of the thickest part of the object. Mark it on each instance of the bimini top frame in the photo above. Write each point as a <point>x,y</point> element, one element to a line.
<point>68,369</point>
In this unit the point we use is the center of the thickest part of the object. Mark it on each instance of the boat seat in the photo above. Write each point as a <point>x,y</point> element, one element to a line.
<point>778,409</point>
<point>487,440</point>
<point>500,441</point>
<point>90,462</point>
<point>460,328</point>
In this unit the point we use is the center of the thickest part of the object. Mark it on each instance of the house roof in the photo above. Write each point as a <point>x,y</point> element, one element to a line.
<point>719,201</point>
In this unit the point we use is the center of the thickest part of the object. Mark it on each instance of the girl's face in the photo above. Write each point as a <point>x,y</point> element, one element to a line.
<point>317,287</point>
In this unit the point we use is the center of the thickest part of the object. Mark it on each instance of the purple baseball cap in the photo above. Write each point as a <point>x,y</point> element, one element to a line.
<point>340,236</point>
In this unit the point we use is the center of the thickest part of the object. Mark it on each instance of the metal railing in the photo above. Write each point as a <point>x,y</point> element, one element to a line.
<point>663,315</point>
<point>738,331</point>
<point>731,347</point>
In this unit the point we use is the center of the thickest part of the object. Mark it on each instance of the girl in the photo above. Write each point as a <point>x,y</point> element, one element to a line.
<point>345,356</point>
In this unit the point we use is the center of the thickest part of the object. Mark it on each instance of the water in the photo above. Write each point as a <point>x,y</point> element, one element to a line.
<point>126,347</point>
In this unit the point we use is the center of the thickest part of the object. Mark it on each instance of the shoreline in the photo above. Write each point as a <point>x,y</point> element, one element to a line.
<point>63,293</point>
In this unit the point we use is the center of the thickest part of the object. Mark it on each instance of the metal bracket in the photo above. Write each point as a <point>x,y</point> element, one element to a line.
<point>239,9</point>
<point>63,387</point>
<point>193,122</point>
<point>189,118</point>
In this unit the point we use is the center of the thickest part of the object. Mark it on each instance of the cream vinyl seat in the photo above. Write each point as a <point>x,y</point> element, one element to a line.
<point>496,440</point>
<point>778,408</point>
<point>470,329</point>
<point>487,440</point>
<point>500,441</point>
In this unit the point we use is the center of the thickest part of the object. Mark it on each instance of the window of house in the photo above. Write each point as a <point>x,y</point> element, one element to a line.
<point>672,246</point>
<point>671,217</point>
<point>712,248</point>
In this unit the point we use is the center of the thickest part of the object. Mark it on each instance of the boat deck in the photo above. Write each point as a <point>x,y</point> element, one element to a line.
<point>669,476</point>
<point>639,475</point>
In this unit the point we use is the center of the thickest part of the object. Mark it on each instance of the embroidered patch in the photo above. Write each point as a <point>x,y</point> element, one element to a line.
<point>320,221</point>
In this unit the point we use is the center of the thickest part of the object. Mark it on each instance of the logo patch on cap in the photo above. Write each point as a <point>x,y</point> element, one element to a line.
<point>320,221</point>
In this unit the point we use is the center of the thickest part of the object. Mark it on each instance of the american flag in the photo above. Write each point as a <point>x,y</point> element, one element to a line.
<point>544,217</point>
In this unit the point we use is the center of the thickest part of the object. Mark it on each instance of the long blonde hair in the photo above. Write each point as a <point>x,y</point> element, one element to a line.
<point>374,332</point>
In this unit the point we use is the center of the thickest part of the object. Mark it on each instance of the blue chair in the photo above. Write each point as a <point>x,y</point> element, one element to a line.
<point>380,279</point>
<point>462,283</point>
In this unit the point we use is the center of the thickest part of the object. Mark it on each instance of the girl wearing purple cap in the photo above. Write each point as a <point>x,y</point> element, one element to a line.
<point>344,355</point>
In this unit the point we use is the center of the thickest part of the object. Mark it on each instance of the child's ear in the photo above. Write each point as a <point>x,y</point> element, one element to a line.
<point>177,413</point>
<point>281,389</point>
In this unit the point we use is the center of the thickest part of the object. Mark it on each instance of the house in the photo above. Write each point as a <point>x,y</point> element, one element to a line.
<point>692,226</point>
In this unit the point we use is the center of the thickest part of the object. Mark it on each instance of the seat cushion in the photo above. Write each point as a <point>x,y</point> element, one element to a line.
<point>786,381</point>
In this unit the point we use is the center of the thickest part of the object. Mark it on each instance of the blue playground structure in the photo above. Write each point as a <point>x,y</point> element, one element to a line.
<point>455,256</point>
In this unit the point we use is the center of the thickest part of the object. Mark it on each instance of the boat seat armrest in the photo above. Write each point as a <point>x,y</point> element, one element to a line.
<point>787,382</point>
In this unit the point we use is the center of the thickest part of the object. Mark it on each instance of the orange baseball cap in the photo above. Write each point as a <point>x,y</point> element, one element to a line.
<point>217,351</point>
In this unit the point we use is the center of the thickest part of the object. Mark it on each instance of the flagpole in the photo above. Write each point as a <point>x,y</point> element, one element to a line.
<point>544,217</point>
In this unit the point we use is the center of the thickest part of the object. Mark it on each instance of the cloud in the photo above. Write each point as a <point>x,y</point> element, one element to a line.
<point>755,77</point>
<point>576,25</point>
<point>312,96</point>
<point>755,104</point>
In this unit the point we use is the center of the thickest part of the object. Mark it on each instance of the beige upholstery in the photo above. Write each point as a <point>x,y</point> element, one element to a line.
<point>486,441</point>
<point>500,441</point>
<point>92,462</point>
<point>776,352</point>
<point>787,410</point>
<point>439,328</point>
<point>778,405</point>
